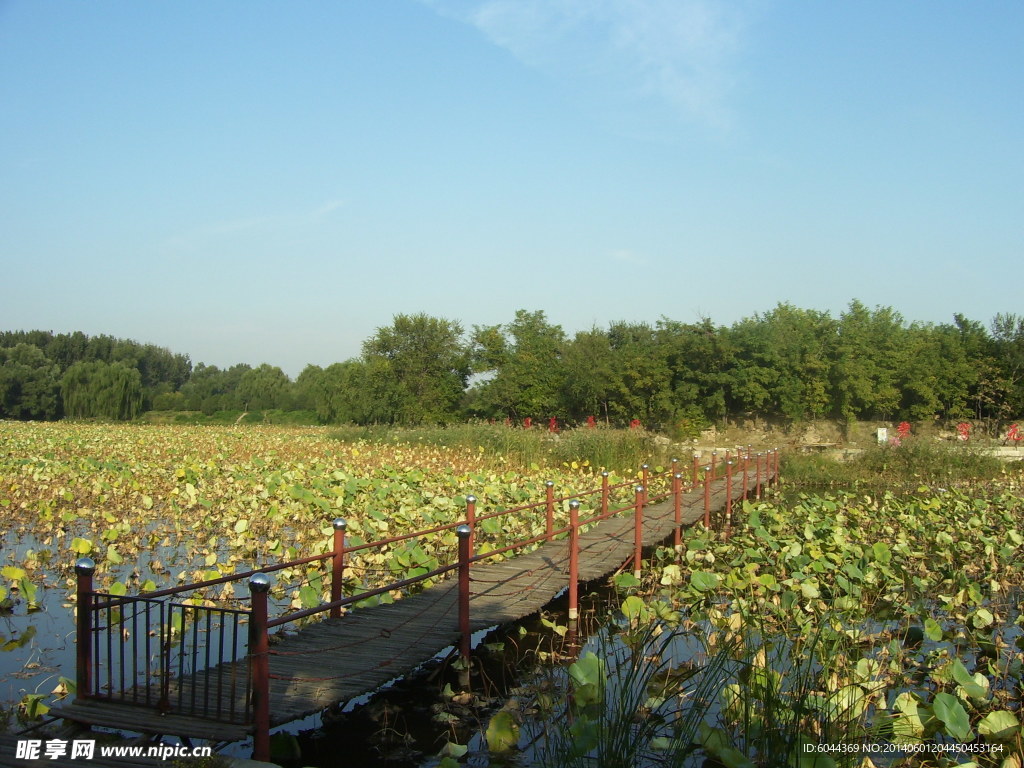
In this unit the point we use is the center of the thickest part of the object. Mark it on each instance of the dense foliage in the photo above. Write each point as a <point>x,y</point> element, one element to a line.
<point>46,376</point>
<point>834,631</point>
<point>788,364</point>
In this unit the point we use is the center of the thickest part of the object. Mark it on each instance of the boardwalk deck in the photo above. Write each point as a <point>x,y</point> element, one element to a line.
<point>336,660</point>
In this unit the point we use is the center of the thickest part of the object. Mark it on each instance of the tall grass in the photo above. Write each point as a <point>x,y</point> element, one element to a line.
<point>651,695</point>
<point>597,448</point>
<point>914,462</point>
<point>634,702</point>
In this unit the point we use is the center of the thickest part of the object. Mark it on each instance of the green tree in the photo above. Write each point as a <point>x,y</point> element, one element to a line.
<point>867,359</point>
<point>210,389</point>
<point>1008,346</point>
<point>783,362</point>
<point>263,388</point>
<point>29,384</point>
<point>588,384</point>
<point>640,375</point>
<point>699,357</point>
<point>522,363</point>
<point>935,375</point>
<point>352,392</point>
<point>420,365</point>
<point>96,389</point>
<point>987,393</point>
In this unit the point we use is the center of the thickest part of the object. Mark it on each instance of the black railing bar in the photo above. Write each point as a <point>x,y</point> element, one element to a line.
<point>165,654</point>
<point>110,653</point>
<point>234,667</point>
<point>220,670</point>
<point>181,655</point>
<point>135,657</point>
<point>195,658</point>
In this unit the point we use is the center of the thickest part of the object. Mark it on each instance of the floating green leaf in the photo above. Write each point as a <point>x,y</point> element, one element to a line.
<point>81,546</point>
<point>982,618</point>
<point>704,581</point>
<point>1000,725</point>
<point>13,573</point>
<point>502,732</point>
<point>954,717</point>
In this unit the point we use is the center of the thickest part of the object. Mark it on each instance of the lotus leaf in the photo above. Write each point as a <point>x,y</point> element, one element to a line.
<point>953,716</point>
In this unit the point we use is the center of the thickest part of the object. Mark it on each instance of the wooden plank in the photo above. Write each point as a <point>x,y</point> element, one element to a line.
<point>143,720</point>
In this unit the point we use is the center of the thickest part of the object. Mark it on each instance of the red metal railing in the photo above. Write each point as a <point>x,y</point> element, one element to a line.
<point>160,651</point>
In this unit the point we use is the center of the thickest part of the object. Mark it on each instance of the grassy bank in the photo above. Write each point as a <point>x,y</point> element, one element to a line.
<point>905,467</point>
<point>598,448</point>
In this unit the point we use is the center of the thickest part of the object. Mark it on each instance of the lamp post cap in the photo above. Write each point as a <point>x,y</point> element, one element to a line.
<point>260,582</point>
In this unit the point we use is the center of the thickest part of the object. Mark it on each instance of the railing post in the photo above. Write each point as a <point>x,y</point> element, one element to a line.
<point>471,521</point>
<point>694,471</point>
<point>338,564</point>
<point>84,569</point>
<point>259,660</point>
<point>645,479</point>
<point>604,493</point>
<point>757,483</point>
<point>707,497</point>
<point>549,487</point>
<point>728,496</point>
<point>574,559</point>
<point>465,534</point>
<point>746,460</point>
<point>677,502</point>
<point>638,528</point>
<point>714,464</point>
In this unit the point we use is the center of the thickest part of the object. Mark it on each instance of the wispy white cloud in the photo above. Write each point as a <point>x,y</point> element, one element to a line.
<point>273,222</point>
<point>329,207</point>
<point>677,53</point>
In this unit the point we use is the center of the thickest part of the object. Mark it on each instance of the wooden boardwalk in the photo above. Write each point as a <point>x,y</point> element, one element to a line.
<point>335,660</point>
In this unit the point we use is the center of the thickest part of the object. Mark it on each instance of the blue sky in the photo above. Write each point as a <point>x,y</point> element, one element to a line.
<point>271,182</point>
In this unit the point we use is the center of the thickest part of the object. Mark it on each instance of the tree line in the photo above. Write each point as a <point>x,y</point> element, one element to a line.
<point>786,364</point>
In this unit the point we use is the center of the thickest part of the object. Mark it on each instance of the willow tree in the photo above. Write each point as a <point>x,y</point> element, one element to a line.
<point>96,389</point>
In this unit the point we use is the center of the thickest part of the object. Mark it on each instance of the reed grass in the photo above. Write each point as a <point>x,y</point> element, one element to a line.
<point>583,448</point>
<point>914,462</point>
